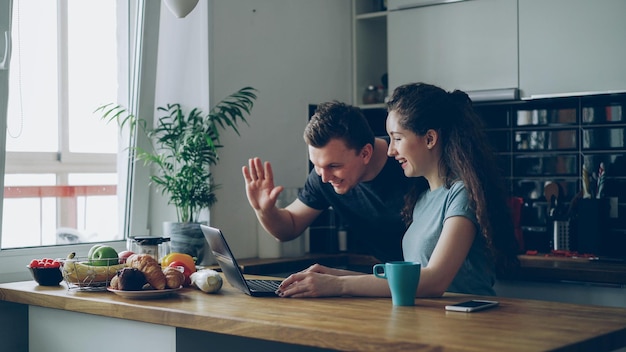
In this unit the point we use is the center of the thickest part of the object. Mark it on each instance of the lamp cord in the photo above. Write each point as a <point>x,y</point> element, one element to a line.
<point>19,76</point>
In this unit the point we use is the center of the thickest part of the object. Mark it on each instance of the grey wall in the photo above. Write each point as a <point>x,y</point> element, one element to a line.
<point>295,53</point>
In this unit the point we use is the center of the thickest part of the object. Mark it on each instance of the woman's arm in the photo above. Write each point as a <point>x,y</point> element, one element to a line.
<point>451,250</point>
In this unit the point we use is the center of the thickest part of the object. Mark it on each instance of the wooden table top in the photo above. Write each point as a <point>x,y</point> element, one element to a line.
<point>356,324</point>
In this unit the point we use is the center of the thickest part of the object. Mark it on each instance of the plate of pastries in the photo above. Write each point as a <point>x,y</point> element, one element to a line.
<point>143,278</point>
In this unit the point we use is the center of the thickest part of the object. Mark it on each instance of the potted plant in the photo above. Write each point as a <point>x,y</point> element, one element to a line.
<point>183,148</point>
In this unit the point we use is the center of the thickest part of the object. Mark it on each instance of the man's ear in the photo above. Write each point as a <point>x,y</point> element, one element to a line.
<point>366,152</point>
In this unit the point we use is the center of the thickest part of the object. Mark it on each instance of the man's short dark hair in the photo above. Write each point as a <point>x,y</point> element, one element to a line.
<point>336,120</point>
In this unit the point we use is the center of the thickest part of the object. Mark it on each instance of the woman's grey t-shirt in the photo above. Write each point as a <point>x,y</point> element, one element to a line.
<point>476,275</point>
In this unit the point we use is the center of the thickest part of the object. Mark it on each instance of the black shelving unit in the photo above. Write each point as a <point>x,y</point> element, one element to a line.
<point>551,140</point>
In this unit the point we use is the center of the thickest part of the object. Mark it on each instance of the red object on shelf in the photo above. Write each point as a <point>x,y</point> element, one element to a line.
<point>561,253</point>
<point>569,254</point>
<point>515,204</point>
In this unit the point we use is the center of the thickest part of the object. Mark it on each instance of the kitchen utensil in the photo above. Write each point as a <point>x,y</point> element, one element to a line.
<point>586,183</point>
<point>601,177</point>
<point>560,238</point>
<point>551,192</point>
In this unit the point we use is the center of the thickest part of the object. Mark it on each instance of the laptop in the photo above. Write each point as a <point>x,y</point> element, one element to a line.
<point>232,271</point>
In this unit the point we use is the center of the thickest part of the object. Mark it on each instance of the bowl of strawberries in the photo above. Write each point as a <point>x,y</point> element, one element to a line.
<point>46,271</point>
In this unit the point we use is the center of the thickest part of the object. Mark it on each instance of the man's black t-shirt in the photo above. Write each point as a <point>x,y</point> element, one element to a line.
<point>371,210</point>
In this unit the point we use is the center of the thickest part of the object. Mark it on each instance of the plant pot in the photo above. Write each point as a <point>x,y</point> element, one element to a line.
<point>186,237</point>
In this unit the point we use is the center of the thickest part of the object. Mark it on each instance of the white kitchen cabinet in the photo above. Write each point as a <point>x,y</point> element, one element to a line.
<point>468,45</point>
<point>569,46</point>
<point>62,330</point>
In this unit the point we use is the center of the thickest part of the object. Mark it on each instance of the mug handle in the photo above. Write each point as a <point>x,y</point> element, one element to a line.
<point>380,273</point>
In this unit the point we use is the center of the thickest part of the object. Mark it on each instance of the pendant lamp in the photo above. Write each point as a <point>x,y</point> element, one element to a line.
<point>181,8</point>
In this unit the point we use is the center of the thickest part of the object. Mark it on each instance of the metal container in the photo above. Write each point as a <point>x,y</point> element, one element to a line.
<point>560,240</point>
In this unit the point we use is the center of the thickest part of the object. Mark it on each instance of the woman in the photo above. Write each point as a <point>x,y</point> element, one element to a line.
<point>460,227</point>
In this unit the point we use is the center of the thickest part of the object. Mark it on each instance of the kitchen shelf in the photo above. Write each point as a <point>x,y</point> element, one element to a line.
<point>373,106</point>
<point>548,140</point>
<point>543,267</point>
<point>369,15</point>
<point>369,47</point>
<point>368,7</point>
<point>557,129</point>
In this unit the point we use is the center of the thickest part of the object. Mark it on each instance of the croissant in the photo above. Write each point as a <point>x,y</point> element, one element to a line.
<point>173,277</point>
<point>150,268</point>
<point>115,283</point>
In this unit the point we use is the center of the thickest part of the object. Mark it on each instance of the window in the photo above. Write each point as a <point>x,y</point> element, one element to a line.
<point>61,174</point>
<point>86,168</point>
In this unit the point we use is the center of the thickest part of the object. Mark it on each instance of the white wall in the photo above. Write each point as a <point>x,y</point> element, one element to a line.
<point>294,52</point>
<point>182,77</point>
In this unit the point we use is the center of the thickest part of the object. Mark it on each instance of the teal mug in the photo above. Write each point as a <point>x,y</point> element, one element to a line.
<point>402,278</point>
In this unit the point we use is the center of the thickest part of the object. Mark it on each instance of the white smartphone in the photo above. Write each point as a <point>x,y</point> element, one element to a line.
<point>471,306</point>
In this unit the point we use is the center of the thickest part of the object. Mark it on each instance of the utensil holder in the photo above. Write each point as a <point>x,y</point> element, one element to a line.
<point>591,228</point>
<point>560,240</point>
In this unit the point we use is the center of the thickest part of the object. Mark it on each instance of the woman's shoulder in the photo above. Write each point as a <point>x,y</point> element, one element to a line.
<point>457,187</point>
<point>457,194</point>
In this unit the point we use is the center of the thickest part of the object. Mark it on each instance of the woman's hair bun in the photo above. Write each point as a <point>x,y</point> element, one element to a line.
<point>460,98</point>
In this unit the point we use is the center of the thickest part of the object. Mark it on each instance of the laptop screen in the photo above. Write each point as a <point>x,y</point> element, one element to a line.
<point>225,258</point>
<point>231,270</point>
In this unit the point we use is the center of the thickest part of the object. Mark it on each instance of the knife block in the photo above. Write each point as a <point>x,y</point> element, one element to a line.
<point>590,226</point>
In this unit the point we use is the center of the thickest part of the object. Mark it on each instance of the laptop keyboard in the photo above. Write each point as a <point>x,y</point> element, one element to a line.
<point>263,285</point>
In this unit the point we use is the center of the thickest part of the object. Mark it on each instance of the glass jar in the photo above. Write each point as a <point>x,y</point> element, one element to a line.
<point>157,247</point>
<point>370,96</point>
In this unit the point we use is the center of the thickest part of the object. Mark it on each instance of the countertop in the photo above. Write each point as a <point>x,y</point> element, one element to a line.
<point>540,267</point>
<point>353,323</point>
<point>546,267</point>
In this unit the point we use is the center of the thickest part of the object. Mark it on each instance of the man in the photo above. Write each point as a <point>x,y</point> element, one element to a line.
<point>352,173</point>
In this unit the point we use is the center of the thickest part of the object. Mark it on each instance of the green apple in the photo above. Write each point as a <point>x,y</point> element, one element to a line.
<point>92,249</point>
<point>100,255</point>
